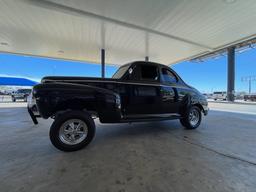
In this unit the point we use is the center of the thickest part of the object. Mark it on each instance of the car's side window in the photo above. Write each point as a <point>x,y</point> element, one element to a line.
<point>132,74</point>
<point>149,72</point>
<point>168,76</point>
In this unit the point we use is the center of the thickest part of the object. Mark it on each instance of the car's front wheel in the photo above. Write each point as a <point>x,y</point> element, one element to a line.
<point>192,118</point>
<point>72,130</point>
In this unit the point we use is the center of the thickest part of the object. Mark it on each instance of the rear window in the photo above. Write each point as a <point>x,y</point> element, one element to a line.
<point>149,72</point>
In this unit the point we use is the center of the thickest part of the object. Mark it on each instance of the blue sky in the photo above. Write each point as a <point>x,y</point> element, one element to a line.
<point>211,75</point>
<point>206,76</point>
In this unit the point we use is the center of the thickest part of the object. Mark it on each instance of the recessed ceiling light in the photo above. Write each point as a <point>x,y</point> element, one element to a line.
<point>229,1</point>
<point>4,43</point>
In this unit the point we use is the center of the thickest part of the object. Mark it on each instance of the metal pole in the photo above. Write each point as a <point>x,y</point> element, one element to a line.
<point>102,63</point>
<point>146,46</point>
<point>250,85</point>
<point>231,74</point>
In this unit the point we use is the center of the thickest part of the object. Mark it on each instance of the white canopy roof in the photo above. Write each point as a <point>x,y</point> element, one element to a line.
<point>168,31</point>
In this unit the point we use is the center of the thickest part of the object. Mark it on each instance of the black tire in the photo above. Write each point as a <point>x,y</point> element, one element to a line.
<point>215,99</point>
<point>182,121</point>
<point>64,117</point>
<point>186,121</point>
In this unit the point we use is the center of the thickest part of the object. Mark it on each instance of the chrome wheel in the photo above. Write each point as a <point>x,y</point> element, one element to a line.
<point>194,117</point>
<point>73,131</point>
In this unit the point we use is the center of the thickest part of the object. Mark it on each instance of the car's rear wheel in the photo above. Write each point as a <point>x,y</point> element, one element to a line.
<point>192,118</point>
<point>72,130</point>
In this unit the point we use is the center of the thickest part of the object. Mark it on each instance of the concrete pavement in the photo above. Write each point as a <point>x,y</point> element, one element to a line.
<point>160,156</point>
<point>233,107</point>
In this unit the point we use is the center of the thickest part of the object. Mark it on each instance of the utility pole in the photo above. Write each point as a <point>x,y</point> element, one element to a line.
<point>249,79</point>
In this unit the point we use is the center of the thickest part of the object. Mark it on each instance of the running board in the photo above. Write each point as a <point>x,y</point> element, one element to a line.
<point>139,118</point>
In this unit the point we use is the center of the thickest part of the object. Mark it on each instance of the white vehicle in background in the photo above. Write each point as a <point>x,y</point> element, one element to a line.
<point>220,95</point>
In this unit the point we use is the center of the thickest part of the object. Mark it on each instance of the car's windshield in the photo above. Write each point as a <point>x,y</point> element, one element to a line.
<point>120,72</point>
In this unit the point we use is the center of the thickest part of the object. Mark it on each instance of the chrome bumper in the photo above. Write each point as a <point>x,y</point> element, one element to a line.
<point>32,109</point>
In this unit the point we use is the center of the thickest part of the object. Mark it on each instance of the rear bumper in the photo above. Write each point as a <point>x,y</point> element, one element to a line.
<point>33,116</point>
<point>32,109</point>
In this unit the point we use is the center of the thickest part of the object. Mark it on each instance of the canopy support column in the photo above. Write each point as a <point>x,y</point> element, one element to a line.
<point>231,74</point>
<point>146,46</point>
<point>103,63</point>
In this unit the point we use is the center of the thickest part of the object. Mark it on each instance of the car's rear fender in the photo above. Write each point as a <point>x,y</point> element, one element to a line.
<point>54,97</point>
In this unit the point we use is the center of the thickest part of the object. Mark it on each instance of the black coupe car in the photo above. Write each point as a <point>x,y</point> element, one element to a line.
<point>138,91</point>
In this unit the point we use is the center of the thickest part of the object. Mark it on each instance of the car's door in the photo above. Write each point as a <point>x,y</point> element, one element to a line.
<point>169,91</point>
<point>144,90</point>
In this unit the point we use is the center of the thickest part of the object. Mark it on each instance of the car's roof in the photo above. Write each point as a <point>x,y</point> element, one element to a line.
<point>146,62</point>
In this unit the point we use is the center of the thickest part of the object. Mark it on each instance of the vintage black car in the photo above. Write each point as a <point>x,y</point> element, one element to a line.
<point>138,91</point>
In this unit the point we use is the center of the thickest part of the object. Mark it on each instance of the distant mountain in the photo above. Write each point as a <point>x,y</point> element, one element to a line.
<point>17,81</point>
